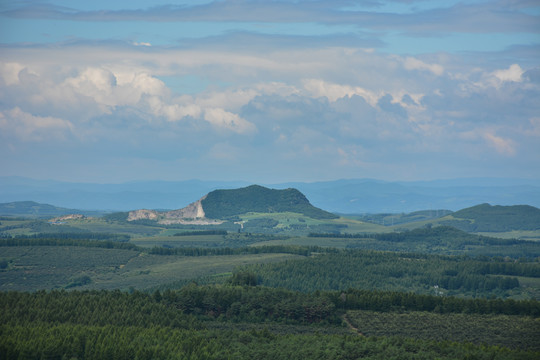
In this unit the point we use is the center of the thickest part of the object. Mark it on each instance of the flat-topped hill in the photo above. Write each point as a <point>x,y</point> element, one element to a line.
<point>220,204</point>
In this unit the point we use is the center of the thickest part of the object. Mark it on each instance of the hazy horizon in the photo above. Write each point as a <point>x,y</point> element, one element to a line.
<point>269,92</point>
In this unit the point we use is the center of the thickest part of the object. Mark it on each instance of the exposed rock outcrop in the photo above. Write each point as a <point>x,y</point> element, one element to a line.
<point>192,211</point>
<point>193,214</point>
<point>143,214</point>
<point>68,217</point>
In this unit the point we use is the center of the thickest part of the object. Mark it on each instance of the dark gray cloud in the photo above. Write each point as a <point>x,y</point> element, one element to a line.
<point>477,17</point>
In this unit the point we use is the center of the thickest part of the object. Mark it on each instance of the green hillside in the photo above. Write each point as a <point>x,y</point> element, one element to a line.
<point>488,218</point>
<point>220,204</point>
<point>36,210</point>
<point>31,208</point>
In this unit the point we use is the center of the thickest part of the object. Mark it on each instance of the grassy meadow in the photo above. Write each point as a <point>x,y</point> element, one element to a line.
<point>58,267</point>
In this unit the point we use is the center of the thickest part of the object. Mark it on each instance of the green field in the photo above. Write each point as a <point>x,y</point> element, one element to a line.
<point>180,241</point>
<point>298,224</point>
<point>309,241</point>
<point>29,227</point>
<point>56,267</point>
<point>106,226</point>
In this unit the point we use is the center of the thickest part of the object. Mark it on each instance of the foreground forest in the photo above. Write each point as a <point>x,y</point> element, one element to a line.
<point>268,286</point>
<point>245,322</point>
<point>317,303</point>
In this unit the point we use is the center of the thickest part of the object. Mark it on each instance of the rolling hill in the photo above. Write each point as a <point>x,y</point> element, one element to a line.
<point>495,218</point>
<point>37,210</point>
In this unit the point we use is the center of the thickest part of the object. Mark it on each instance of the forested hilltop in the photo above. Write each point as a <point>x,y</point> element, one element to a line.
<point>488,218</point>
<point>220,204</point>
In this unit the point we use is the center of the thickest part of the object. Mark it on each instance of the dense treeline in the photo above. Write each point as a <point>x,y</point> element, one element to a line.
<point>191,304</point>
<point>283,249</point>
<point>354,299</point>
<point>77,236</point>
<point>97,308</point>
<point>438,240</point>
<point>30,241</point>
<point>260,303</point>
<point>182,251</point>
<point>156,343</point>
<point>395,271</point>
<point>120,325</point>
<point>201,233</point>
<point>254,304</point>
<point>120,217</point>
<point>439,235</point>
<point>520,332</point>
<point>260,225</point>
<point>442,234</point>
<point>403,218</point>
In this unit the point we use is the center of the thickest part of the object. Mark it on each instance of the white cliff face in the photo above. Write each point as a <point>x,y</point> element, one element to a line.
<point>193,214</point>
<point>200,210</point>
<point>143,214</point>
<point>192,211</point>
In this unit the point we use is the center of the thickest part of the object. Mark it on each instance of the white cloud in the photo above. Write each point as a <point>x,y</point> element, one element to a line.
<point>110,89</point>
<point>278,88</point>
<point>10,72</point>
<point>228,120</point>
<point>494,79</point>
<point>231,99</point>
<point>28,127</point>
<point>172,112</point>
<point>95,83</point>
<point>411,63</point>
<point>501,145</point>
<point>513,73</point>
<point>333,92</point>
<point>288,102</point>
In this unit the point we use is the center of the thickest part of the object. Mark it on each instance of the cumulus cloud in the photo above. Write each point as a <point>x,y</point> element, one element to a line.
<point>32,128</point>
<point>333,92</point>
<point>228,120</point>
<point>513,73</point>
<point>411,63</point>
<point>171,112</point>
<point>10,72</point>
<point>341,108</point>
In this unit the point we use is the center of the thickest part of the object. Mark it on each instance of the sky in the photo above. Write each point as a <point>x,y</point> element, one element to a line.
<point>269,91</point>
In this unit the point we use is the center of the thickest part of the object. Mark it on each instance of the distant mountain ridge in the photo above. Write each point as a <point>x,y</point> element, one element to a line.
<point>351,196</point>
<point>37,210</point>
